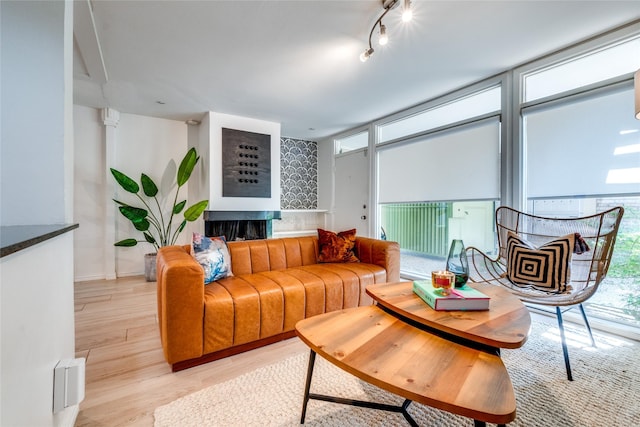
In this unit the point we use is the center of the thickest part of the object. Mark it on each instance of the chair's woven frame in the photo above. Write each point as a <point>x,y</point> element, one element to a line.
<point>587,269</point>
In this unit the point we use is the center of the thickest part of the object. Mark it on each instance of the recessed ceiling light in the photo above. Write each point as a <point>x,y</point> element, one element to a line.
<point>192,122</point>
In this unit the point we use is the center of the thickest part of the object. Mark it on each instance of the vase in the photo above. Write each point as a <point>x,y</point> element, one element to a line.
<point>150,267</point>
<point>457,262</point>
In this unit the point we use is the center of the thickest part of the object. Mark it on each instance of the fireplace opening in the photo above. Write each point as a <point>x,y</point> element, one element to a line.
<point>239,225</point>
<point>237,229</point>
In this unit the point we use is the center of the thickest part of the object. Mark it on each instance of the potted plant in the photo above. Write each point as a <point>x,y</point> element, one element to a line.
<point>156,226</point>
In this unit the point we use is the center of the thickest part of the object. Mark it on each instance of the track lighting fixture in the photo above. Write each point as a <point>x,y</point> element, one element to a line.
<point>383,39</point>
<point>366,54</point>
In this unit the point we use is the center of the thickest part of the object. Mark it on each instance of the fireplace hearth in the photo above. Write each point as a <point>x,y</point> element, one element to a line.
<point>240,225</point>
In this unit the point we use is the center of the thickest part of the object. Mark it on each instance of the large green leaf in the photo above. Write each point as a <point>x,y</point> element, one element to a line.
<point>126,243</point>
<point>125,182</point>
<point>133,214</point>
<point>148,186</point>
<point>178,208</point>
<point>142,225</point>
<point>194,211</point>
<point>186,166</point>
<point>149,238</point>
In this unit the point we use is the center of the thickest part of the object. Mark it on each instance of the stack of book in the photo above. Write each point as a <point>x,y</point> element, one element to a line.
<point>463,298</point>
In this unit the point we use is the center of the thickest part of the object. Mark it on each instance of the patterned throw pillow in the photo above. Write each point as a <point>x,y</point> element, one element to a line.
<point>337,247</point>
<point>547,268</point>
<point>213,255</point>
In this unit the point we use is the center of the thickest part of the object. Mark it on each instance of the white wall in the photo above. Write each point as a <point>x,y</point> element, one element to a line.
<point>89,184</point>
<point>143,144</point>
<point>156,147</point>
<point>198,138</point>
<point>37,331</point>
<point>32,187</point>
<point>36,293</point>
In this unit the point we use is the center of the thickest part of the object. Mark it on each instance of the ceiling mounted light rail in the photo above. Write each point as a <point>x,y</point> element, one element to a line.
<point>387,5</point>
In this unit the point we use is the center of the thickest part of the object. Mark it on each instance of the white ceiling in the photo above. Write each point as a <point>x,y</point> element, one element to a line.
<point>296,62</point>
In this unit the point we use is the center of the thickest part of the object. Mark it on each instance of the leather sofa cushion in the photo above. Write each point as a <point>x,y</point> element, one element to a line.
<point>256,256</point>
<point>248,307</point>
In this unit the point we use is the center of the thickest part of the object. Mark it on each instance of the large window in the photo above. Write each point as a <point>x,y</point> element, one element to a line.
<point>461,109</point>
<point>439,179</point>
<point>460,164</point>
<point>352,142</point>
<point>583,148</point>
<point>593,67</point>
<point>582,156</point>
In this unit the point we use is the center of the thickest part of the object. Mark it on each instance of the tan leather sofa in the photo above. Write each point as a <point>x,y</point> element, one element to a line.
<point>275,283</point>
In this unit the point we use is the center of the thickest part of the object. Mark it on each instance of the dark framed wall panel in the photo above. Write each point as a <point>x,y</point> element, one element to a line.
<point>246,164</point>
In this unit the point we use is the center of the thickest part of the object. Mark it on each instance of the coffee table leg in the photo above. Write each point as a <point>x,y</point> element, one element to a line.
<point>402,409</point>
<point>307,386</point>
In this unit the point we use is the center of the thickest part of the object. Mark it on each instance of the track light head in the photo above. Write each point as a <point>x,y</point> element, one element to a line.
<point>384,38</point>
<point>407,13</point>
<point>389,4</point>
<point>366,54</point>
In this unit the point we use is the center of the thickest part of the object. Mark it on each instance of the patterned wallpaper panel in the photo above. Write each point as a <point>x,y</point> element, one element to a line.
<point>298,174</point>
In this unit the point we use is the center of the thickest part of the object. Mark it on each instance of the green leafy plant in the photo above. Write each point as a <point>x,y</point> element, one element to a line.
<point>156,229</point>
<point>626,256</point>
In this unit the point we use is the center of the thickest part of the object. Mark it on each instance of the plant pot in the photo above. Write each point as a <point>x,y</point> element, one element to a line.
<point>150,267</point>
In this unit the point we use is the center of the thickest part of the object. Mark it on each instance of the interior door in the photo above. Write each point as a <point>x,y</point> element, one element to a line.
<point>351,192</point>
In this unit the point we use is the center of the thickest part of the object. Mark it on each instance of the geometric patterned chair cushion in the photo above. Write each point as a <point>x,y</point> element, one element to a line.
<point>546,268</point>
<point>337,247</point>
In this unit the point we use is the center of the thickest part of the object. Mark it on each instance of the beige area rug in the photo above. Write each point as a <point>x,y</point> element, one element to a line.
<point>606,391</point>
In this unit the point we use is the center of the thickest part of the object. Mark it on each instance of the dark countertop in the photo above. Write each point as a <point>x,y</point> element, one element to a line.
<point>15,238</point>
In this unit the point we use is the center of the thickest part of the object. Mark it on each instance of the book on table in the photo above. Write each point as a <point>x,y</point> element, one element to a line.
<point>463,298</point>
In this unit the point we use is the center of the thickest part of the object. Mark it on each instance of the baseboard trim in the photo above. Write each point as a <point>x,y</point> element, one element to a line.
<point>89,278</point>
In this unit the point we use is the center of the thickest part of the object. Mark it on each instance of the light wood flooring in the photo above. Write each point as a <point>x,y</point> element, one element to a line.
<point>126,374</point>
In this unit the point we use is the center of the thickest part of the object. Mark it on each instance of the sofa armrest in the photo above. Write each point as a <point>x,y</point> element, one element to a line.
<point>180,281</point>
<point>380,252</point>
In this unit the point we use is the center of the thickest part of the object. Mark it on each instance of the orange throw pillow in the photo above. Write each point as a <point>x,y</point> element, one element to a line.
<point>337,247</point>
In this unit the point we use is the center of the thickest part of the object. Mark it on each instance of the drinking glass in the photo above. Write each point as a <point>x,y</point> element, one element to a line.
<point>443,280</point>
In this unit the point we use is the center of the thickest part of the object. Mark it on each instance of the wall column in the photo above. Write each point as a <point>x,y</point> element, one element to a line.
<point>110,118</point>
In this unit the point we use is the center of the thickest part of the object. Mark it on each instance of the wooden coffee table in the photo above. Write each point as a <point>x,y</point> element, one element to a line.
<point>505,325</point>
<point>428,360</point>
